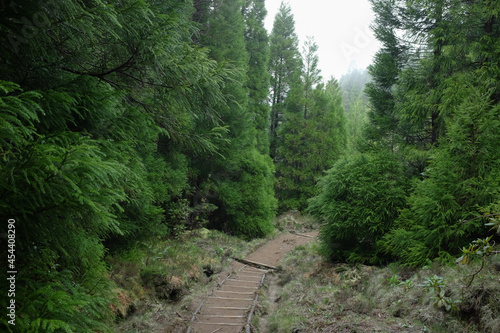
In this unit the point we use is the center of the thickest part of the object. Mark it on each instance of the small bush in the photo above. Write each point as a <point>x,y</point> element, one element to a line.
<point>359,200</point>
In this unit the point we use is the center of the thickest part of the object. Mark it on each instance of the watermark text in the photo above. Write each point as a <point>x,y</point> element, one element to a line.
<point>11,271</point>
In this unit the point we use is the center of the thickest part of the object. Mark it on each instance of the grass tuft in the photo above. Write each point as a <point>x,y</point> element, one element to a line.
<point>159,282</point>
<point>311,295</point>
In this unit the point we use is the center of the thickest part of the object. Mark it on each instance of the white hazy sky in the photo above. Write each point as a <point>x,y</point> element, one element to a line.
<point>339,27</point>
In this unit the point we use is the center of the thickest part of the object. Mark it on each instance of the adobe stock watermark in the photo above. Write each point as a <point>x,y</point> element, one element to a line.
<point>362,40</point>
<point>31,27</point>
<point>11,271</point>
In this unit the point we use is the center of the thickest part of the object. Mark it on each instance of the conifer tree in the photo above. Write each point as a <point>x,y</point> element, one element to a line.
<point>432,94</point>
<point>239,181</point>
<point>257,46</point>
<point>331,120</point>
<point>461,181</point>
<point>357,205</point>
<point>384,72</point>
<point>454,187</point>
<point>284,63</point>
<point>311,136</point>
<point>97,110</point>
<point>312,75</point>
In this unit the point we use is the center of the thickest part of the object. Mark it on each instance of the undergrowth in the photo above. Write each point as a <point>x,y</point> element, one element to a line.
<point>310,295</point>
<point>293,221</point>
<point>157,282</point>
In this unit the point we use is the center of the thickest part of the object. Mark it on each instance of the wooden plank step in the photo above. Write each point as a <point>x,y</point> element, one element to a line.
<point>227,302</point>
<point>246,283</point>
<point>231,292</point>
<point>254,283</point>
<point>246,279</point>
<point>215,328</point>
<point>220,324</point>
<point>255,263</point>
<point>228,320</point>
<point>251,270</point>
<point>242,288</point>
<point>231,298</point>
<point>254,270</point>
<point>224,311</point>
<point>249,273</point>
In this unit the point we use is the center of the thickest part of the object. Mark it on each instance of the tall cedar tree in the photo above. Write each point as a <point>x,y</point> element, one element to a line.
<point>284,63</point>
<point>434,104</point>
<point>257,46</point>
<point>311,136</point>
<point>97,110</point>
<point>462,178</point>
<point>240,180</point>
<point>384,72</point>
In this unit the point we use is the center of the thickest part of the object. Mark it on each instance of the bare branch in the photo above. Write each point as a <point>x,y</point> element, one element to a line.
<point>479,217</point>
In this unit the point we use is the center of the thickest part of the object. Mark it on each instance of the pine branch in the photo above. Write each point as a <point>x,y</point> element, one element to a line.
<point>127,64</point>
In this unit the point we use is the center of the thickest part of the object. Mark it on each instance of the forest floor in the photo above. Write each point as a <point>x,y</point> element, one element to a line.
<point>305,293</point>
<point>227,308</point>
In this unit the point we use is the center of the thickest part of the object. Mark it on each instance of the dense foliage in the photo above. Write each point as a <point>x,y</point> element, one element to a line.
<point>308,131</point>
<point>123,121</point>
<point>238,180</point>
<point>284,60</point>
<point>434,99</point>
<point>360,198</point>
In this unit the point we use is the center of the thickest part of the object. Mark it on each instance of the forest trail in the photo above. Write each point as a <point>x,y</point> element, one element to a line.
<point>229,307</point>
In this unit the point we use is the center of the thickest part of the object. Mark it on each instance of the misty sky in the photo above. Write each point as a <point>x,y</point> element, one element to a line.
<point>340,28</point>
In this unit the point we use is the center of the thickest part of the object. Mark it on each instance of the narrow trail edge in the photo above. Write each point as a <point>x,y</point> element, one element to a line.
<point>249,270</point>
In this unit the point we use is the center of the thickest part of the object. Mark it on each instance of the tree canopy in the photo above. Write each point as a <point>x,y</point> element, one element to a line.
<point>434,88</point>
<point>133,120</point>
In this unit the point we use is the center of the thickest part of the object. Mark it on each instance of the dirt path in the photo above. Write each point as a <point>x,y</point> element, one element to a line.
<point>229,307</point>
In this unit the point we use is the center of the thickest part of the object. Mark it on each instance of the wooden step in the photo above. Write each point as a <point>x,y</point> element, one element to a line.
<point>215,328</point>
<point>224,310</point>
<point>238,292</point>
<point>227,302</point>
<point>225,319</point>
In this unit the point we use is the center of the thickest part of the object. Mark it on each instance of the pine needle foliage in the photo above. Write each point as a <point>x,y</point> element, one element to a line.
<point>65,196</point>
<point>359,200</point>
<point>461,181</point>
<point>284,63</point>
<point>312,137</point>
<point>239,181</point>
<point>434,106</point>
<point>104,108</point>
<point>258,82</point>
<point>56,304</point>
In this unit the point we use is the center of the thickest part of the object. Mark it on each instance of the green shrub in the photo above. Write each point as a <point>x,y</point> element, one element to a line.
<point>461,182</point>
<point>360,199</point>
<point>245,200</point>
